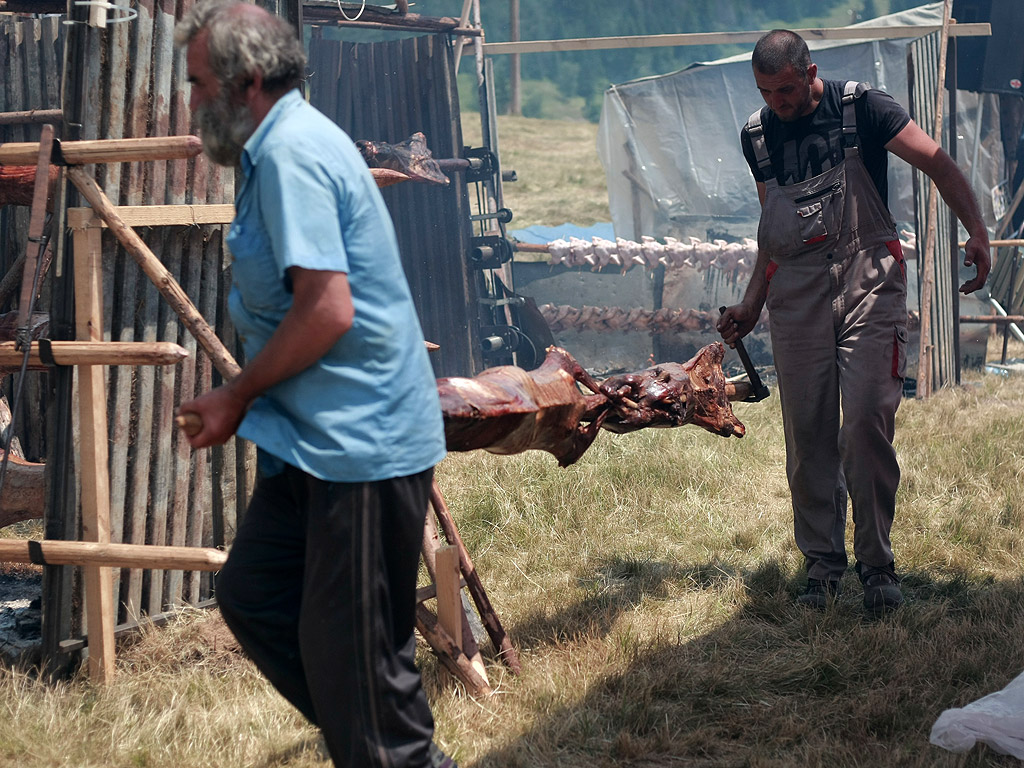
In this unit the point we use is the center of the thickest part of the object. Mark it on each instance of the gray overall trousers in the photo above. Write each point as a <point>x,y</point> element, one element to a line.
<point>838,321</point>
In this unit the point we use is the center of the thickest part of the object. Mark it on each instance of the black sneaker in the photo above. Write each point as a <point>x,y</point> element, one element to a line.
<point>439,759</point>
<point>819,594</point>
<point>881,589</point>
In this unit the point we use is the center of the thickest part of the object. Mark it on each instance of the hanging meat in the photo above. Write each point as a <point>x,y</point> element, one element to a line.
<point>411,158</point>
<point>17,185</point>
<point>508,410</point>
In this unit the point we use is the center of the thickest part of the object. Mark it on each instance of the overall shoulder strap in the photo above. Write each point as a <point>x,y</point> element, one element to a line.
<point>755,129</point>
<point>851,91</point>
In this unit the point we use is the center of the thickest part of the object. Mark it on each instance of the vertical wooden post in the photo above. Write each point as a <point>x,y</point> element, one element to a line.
<point>925,362</point>
<point>449,604</point>
<point>92,404</point>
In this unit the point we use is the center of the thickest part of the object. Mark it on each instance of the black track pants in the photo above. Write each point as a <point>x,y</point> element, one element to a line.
<point>319,588</point>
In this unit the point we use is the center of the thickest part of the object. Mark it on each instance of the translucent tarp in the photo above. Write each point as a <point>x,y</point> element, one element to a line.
<point>670,144</point>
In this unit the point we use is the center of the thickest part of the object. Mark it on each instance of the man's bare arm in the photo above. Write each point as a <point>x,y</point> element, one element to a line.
<point>321,313</point>
<point>920,150</point>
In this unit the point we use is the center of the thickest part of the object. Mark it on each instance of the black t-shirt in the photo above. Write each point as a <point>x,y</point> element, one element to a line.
<point>813,144</point>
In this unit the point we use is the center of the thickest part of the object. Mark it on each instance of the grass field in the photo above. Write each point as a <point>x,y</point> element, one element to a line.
<point>560,178</point>
<point>649,590</point>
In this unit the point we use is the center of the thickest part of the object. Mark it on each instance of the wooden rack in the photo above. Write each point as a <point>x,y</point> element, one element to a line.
<point>449,564</point>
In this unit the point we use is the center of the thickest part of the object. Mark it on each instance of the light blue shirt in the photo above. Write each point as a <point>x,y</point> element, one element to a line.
<point>368,410</point>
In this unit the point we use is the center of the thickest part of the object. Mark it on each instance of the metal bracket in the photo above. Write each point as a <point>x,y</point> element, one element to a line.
<point>499,339</point>
<point>483,164</point>
<point>502,215</point>
<point>489,251</point>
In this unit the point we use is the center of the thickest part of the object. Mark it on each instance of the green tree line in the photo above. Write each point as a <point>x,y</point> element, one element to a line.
<point>572,84</point>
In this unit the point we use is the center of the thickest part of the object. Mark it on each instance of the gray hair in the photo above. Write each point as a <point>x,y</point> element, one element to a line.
<point>779,49</point>
<point>244,40</point>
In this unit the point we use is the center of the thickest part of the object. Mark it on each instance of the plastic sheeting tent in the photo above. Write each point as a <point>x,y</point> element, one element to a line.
<point>670,144</point>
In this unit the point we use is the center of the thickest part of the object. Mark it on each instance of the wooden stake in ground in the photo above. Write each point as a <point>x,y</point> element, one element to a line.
<point>95,470</point>
<point>924,360</point>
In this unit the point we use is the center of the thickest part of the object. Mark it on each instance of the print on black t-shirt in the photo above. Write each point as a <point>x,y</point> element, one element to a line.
<point>813,144</point>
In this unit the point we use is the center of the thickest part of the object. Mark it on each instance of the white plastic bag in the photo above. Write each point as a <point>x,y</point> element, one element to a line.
<point>996,720</point>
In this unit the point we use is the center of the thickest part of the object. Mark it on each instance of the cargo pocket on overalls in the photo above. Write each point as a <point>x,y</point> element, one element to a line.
<point>822,214</point>
<point>899,351</point>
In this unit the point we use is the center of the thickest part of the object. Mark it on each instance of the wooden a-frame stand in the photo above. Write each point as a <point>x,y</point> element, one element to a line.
<point>450,566</point>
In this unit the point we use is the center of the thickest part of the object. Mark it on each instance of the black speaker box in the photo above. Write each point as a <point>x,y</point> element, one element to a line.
<point>991,64</point>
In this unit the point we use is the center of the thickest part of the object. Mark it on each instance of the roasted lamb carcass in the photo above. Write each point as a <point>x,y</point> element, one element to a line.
<point>509,410</point>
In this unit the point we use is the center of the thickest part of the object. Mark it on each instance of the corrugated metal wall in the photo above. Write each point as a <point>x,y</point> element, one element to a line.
<point>386,92</point>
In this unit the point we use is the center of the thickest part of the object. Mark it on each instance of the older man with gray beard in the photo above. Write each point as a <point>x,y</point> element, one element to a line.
<point>337,393</point>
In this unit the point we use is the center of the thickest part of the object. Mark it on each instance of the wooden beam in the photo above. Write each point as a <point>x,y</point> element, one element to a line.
<point>449,653</point>
<point>155,216</point>
<point>330,12</point>
<point>94,460</point>
<point>106,150</point>
<point>29,116</point>
<point>33,6</point>
<point>926,348</point>
<point>449,602</point>
<point>95,353</point>
<point>93,555</point>
<point>978,29</point>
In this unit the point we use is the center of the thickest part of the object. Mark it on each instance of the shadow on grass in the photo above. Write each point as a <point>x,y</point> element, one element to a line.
<point>775,684</point>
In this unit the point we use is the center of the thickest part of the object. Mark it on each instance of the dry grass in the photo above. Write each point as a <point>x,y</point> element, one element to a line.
<point>560,178</point>
<point>649,589</point>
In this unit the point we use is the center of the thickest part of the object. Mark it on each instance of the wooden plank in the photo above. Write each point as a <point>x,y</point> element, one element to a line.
<point>31,116</point>
<point>186,386</point>
<point>76,644</point>
<point>29,287</point>
<point>155,215</point>
<point>96,555</point>
<point>473,583</point>
<point>728,38</point>
<point>94,478</point>
<point>925,370</point>
<point>449,605</point>
<point>449,653</point>
<point>201,528</point>
<point>179,260</point>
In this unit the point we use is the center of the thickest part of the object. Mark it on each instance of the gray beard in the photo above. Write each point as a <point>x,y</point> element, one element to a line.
<point>224,128</point>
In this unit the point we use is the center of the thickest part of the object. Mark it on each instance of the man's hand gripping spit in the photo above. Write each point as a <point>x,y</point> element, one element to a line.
<point>217,413</point>
<point>977,253</point>
<point>736,322</point>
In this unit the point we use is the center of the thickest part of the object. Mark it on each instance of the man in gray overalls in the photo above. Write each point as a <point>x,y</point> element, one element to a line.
<point>828,247</point>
